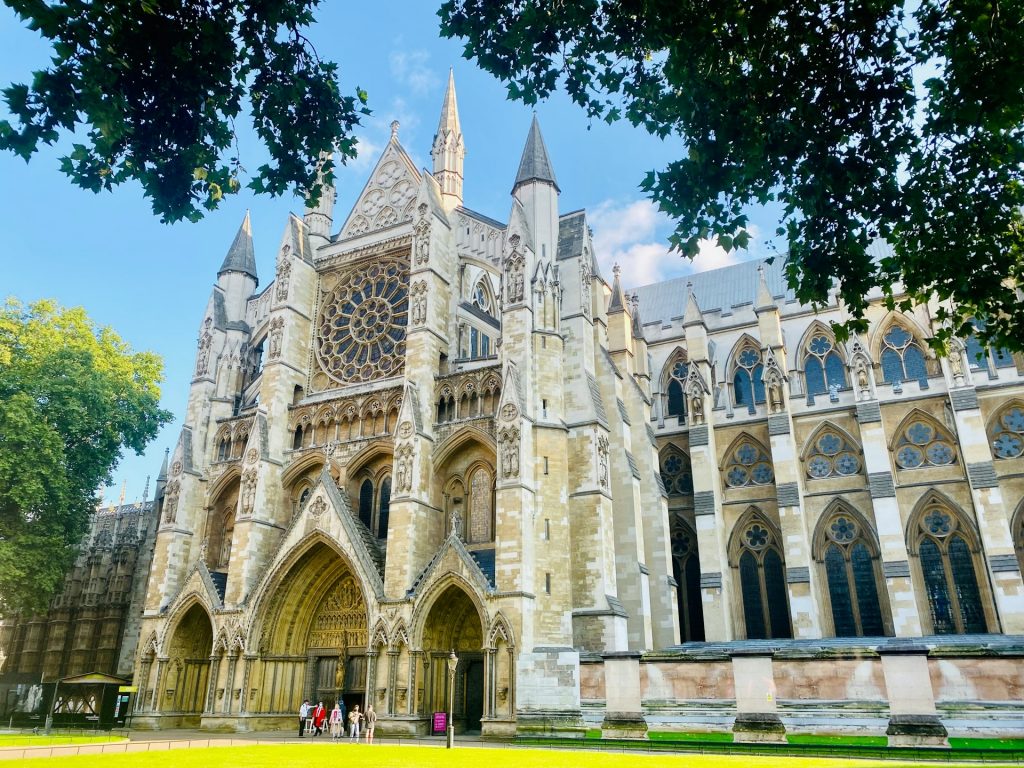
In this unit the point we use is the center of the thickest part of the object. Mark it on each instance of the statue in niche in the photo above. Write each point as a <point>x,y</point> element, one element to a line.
<point>276,332</point>
<point>510,452</point>
<point>602,461</point>
<point>775,395</point>
<point>205,342</point>
<point>862,374</point>
<point>339,670</point>
<point>284,272</point>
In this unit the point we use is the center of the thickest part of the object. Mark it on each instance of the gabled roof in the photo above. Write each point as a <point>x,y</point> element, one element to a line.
<point>535,164</point>
<point>241,256</point>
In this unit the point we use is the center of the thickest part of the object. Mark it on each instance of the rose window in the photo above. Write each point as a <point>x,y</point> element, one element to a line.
<point>921,445</point>
<point>749,465</point>
<point>1007,434</point>
<point>831,456</point>
<point>361,328</point>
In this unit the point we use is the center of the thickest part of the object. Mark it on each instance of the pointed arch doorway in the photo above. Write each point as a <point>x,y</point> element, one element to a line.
<point>454,623</point>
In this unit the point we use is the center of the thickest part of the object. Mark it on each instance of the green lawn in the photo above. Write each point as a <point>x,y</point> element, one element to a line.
<point>54,739</point>
<point>379,756</point>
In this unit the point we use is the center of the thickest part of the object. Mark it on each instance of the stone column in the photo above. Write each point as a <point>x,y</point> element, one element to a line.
<point>490,683</point>
<point>757,717</point>
<point>392,680</point>
<point>895,560</point>
<point>211,695</point>
<point>145,667</point>
<point>247,662</point>
<point>161,665</point>
<point>623,715</point>
<point>229,684</point>
<point>913,719</point>
<point>414,665</point>
<point>310,677</point>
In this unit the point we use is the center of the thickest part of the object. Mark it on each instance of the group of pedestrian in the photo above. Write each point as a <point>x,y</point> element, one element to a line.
<point>313,719</point>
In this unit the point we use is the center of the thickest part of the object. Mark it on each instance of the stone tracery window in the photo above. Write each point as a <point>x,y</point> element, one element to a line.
<point>823,367</point>
<point>676,473</point>
<point>362,322</point>
<point>758,554</point>
<point>748,386</point>
<point>1007,433</point>
<point>832,456</point>
<point>851,568</point>
<point>686,570</point>
<point>923,444</point>
<point>482,297</point>
<point>675,397</point>
<point>980,357</point>
<point>748,464</point>
<point>948,558</point>
<point>902,357</point>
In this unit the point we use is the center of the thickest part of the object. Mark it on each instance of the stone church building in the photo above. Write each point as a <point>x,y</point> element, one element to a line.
<point>679,506</point>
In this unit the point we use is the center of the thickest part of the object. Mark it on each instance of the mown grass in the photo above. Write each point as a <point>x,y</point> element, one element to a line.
<point>380,756</point>
<point>993,744</point>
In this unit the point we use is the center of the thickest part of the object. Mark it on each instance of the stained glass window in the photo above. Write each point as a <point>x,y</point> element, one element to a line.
<point>676,473</point>
<point>902,357</point>
<point>763,582</point>
<point>1007,433</point>
<point>832,456</point>
<point>686,569</point>
<point>482,298</point>
<point>675,404</point>
<point>852,577</point>
<point>748,386</point>
<point>384,508</point>
<point>748,464</point>
<point>978,356</point>
<point>822,365</point>
<point>923,444</point>
<point>949,571</point>
<point>366,503</point>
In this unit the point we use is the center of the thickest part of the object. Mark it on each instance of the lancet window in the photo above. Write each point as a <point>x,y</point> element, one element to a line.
<point>748,464</point>
<point>375,504</point>
<point>758,554</point>
<point>748,386</point>
<point>686,570</point>
<point>922,444</point>
<point>823,368</point>
<point>980,357</point>
<point>949,561</point>
<point>832,456</point>
<point>902,357</point>
<point>850,560</point>
<point>1007,433</point>
<point>675,399</point>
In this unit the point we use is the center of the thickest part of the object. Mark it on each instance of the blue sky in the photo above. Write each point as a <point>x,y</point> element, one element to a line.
<point>150,281</point>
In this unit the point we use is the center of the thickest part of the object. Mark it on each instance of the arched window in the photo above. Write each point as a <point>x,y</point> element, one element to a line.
<point>832,455</point>
<point>823,368</point>
<point>384,508</point>
<point>748,464</point>
<point>851,570</point>
<point>479,529</point>
<point>947,557</point>
<point>748,387</point>
<point>304,496</point>
<point>366,503</point>
<point>1007,433</point>
<point>676,473</point>
<point>482,297</point>
<point>922,444</point>
<point>675,400</point>
<point>686,570</point>
<point>297,441</point>
<point>902,357</point>
<point>980,357</point>
<point>762,580</point>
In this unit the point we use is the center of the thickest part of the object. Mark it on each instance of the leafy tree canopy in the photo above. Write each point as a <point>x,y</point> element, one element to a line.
<point>861,119</point>
<point>72,396</point>
<point>152,89</point>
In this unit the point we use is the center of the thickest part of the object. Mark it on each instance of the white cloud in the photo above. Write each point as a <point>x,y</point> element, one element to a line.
<point>409,68</point>
<point>634,235</point>
<point>367,152</point>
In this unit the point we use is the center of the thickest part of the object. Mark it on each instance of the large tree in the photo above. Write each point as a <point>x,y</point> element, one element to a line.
<point>860,119</point>
<point>72,397</point>
<point>153,89</point>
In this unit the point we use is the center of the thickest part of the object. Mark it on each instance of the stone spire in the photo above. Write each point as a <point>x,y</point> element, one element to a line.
<point>692,313</point>
<point>241,256</point>
<point>320,219</point>
<point>617,303</point>
<point>449,150</point>
<point>163,467</point>
<point>145,491</point>
<point>764,299</point>
<point>535,164</point>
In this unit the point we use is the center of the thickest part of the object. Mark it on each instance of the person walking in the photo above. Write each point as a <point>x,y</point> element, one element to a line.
<point>353,722</point>
<point>371,723</point>
<point>335,721</point>
<point>343,720</point>
<point>303,715</point>
<point>319,715</point>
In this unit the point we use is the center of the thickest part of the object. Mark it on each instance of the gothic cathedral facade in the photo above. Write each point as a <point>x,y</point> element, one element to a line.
<point>435,432</point>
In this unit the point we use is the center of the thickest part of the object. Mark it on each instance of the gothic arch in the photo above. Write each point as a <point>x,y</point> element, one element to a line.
<point>500,630</point>
<point>300,467</point>
<point>751,514</point>
<point>747,461</point>
<point>374,450</point>
<point>817,328</point>
<point>756,552</point>
<point>672,384</point>
<point>820,539</point>
<point>223,484</point>
<point>400,635</point>
<point>742,342</point>
<point>457,440</point>
<point>935,497</point>
<point>431,595</point>
<point>895,317</point>
<point>379,635</point>
<point>939,448</point>
<point>676,471</point>
<point>184,605</point>
<point>1005,430</point>
<point>828,426</point>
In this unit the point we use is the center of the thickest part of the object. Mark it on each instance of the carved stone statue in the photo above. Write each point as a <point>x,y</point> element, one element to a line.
<point>697,408</point>
<point>775,395</point>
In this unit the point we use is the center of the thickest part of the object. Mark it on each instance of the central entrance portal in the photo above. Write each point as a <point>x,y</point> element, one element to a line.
<point>454,624</point>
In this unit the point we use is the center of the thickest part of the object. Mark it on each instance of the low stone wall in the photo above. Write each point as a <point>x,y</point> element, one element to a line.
<point>915,691</point>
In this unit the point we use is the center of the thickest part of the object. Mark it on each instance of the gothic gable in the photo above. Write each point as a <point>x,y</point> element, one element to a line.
<point>389,197</point>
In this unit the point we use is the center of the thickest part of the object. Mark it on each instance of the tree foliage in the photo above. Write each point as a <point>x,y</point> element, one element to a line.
<point>861,119</point>
<point>72,396</point>
<point>152,90</point>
